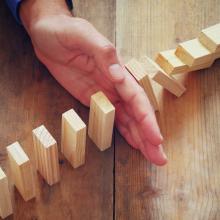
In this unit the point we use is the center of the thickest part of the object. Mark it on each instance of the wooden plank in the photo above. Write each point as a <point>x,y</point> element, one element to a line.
<point>170,63</point>
<point>193,53</point>
<point>5,197</point>
<point>46,153</point>
<point>139,73</point>
<point>188,186</point>
<point>210,38</point>
<point>158,75</point>
<point>22,172</point>
<point>101,120</point>
<point>73,138</point>
<point>31,97</point>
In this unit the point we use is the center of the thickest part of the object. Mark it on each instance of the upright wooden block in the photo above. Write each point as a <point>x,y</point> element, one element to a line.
<point>193,53</point>
<point>22,172</point>
<point>170,63</point>
<point>139,73</point>
<point>101,120</point>
<point>73,138</point>
<point>5,198</point>
<point>165,80</point>
<point>210,38</point>
<point>46,153</point>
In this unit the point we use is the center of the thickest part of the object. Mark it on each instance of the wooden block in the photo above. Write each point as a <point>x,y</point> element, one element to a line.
<point>139,73</point>
<point>216,55</point>
<point>101,120</point>
<point>5,197</point>
<point>193,53</point>
<point>21,169</point>
<point>165,80</point>
<point>46,153</point>
<point>73,138</point>
<point>210,38</point>
<point>201,66</point>
<point>170,63</point>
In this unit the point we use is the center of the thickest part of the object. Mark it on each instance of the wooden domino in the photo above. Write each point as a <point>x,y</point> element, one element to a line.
<point>193,53</point>
<point>46,154</point>
<point>139,73</point>
<point>5,197</point>
<point>165,80</point>
<point>73,138</point>
<point>170,63</point>
<point>21,169</point>
<point>101,120</point>
<point>210,38</point>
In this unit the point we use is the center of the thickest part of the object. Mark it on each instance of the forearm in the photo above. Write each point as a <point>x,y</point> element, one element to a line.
<point>32,11</point>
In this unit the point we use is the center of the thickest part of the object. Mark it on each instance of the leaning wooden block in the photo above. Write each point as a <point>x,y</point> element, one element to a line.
<point>5,198</point>
<point>73,138</point>
<point>101,120</point>
<point>210,38</point>
<point>46,153</point>
<point>201,66</point>
<point>193,53</point>
<point>139,73</point>
<point>165,80</point>
<point>170,63</point>
<point>22,173</point>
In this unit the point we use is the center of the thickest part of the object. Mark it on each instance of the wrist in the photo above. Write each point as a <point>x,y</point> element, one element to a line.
<point>32,11</point>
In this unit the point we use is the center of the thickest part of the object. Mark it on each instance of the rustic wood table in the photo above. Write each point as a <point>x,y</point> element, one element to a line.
<point>119,183</point>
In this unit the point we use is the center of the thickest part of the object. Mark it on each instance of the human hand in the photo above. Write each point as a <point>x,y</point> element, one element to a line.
<point>84,62</point>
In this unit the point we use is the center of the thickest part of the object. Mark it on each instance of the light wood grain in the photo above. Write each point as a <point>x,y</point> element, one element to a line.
<point>142,77</point>
<point>22,172</point>
<point>158,75</point>
<point>73,138</point>
<point>5,197</point>
<point>46,153</point>
<point>210,38</point>
<point>188,186</point>
<point>101,120</point>
<point>193,53</point>
<point>170,63</point>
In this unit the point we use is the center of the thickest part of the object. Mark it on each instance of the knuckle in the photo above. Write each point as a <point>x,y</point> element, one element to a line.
<point>109,51</point>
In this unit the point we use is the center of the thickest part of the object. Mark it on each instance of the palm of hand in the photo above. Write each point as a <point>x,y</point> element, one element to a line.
<point>79,71</point>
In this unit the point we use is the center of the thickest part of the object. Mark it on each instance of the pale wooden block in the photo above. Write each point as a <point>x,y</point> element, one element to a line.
<point>210,38</point>
<point>5,197</point>
<point>22,173</point>
<point>193,53</point>
<point>165,80</point>
<point>201,66</point>
<point>101,120</point>
<point>139,73</point>
<point>170,63</point>
<point>73,138</point>
<point>46,153</point>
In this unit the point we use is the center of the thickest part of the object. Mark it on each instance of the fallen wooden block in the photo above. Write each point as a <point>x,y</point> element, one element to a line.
<point>210,38</point>
<point>5,197</point>
<point>139,73</point>
<point>165,80</point>
<point>193,53</point>
<point>21,169</point>
<point>46,153</point>
<point>170,63</point>
<point>73,138</point>
<point>101,120</point>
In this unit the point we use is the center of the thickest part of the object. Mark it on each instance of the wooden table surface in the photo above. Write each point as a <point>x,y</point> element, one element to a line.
<point>119,183</point>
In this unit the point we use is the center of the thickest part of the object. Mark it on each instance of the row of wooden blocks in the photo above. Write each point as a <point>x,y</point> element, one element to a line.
<point>189,56</point>
<point>73,145</point>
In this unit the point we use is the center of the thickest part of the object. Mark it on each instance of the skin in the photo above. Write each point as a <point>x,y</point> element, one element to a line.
<point>83,61</point>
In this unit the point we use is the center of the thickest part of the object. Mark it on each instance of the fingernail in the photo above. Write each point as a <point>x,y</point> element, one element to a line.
<point>116,72</point>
